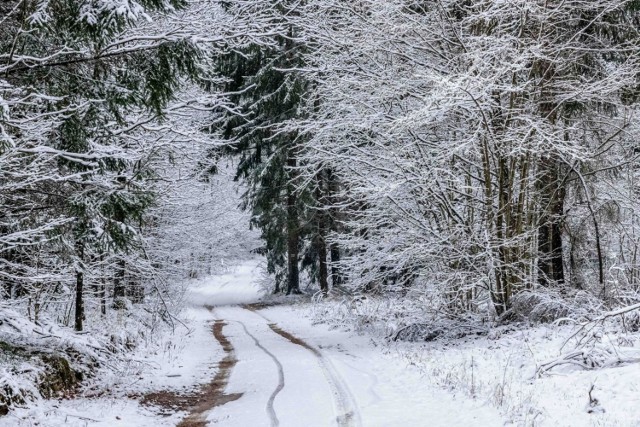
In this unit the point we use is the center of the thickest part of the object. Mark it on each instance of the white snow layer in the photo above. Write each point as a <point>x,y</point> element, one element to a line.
<point>333,377</point>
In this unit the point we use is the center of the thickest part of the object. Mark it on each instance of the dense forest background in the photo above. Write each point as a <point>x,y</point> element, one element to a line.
<point>475,159</point>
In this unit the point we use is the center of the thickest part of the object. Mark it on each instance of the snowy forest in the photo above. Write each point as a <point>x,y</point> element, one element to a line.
<point>454,178</point>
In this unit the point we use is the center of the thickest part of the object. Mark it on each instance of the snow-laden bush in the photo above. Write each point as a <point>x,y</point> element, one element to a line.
<point>549,305</point>
<point>408,318</point>
<point>42,359</point>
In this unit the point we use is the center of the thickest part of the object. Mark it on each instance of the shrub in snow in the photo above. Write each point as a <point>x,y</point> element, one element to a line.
<point>549,305</point>
<point>46,360</point>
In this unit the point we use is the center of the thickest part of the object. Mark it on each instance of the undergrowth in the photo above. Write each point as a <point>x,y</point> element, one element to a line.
<point>511,362</point>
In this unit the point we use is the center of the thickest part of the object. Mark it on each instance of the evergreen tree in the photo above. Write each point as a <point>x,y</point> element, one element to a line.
<point>81,80</point>
<point>267,91</point>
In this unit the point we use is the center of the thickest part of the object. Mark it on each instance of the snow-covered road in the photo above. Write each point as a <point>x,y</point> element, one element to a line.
<point>247,365</point>
<point>291,373</point>
<point>283,381</point>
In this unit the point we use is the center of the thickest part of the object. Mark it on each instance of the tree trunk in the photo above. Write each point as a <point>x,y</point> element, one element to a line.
<point>336,274</point>
<point>293,274</point>
<point>334,249</point>
<point>551,188</point>
<point>322,254</point>
<point>550,253</point>
<point>323,273</point>
<point>118,281</point>
<point>79,314</point>
<point>103,299</point>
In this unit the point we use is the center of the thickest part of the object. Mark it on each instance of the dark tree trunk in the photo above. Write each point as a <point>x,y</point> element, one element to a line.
<point>336,274</point>
<point>79,314</point>
<point>118,281</point>
<point>79,300</point>
<point>323,275</point>
<point>550,253</point>
<point>103,299</point>
<point>293,273</point>
<point>334,250</point>
<point>551,188</point>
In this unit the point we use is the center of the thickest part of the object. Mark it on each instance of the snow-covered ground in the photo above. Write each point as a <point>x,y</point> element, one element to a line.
<point>502,369</point>
<point>505,369</point>
<point>289,370</point>
<point>329,378</point>
<point>177,362</point>
<point>239,286</point>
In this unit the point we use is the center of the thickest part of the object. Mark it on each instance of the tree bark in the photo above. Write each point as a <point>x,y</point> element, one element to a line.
<point>550,252</point>
<point>118,281</point>
<point>336,274</point>
<point>321,243</point>
<point>79,313</point>
<point>323,273</point>
<point>551,187</point>
<point>293,273</point>
<point>103,299</point>
<point>334,250</point>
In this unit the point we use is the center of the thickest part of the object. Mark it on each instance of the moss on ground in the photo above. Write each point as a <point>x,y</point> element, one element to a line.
<point>57,379</point>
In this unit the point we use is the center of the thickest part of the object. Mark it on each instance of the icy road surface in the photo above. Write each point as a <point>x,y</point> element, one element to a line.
<point>293,374</point>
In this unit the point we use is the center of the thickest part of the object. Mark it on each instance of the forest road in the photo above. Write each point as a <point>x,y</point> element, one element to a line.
<point>280,379</point>
<point>277,368</point>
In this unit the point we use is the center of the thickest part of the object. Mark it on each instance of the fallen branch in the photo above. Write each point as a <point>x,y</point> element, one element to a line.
<point>591,324</point>
<point>596,358</point>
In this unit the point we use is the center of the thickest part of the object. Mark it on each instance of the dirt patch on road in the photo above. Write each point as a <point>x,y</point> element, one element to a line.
<point>209,396</point>
<point>275,328</point>
<point>261,305</point>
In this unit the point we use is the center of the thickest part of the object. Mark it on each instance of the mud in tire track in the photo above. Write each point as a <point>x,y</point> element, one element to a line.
<point>209,396</point>
<point>348,415</point>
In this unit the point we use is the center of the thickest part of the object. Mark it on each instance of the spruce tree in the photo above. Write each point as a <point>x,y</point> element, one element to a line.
<point>267,93</point>
<point>90,81</point>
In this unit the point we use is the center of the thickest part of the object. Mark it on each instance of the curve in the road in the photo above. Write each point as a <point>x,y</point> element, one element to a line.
<point>348,413</point>
<point>270,410</point>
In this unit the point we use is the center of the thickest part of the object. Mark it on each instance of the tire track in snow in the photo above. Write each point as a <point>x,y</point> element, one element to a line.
<point>348,413</point>
<point>372,378</point>
<point>270,410</point>
<point>209,396</point>
<point>347,408</point>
